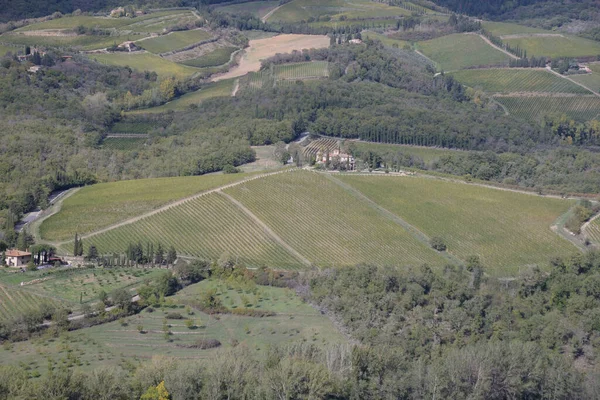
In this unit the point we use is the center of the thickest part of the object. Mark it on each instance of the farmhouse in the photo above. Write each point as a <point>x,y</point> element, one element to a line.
<point>17,258</point>
<point>336,156</point>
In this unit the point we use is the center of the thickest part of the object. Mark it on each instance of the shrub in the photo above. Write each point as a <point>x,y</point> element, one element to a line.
<point>174,315</point>
<point>438,243</point>
<point>203,344</point>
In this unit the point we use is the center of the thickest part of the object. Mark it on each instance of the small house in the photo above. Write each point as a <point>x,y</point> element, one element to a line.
<point>17,258</point>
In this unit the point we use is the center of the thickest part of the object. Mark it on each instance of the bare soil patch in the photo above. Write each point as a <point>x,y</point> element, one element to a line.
<point>261,49</point>
<point>47,33</point>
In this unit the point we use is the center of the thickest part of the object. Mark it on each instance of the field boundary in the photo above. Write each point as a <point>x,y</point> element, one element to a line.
<point>266,228</point>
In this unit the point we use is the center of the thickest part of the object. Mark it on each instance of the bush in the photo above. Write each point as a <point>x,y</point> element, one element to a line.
<point>174,315</point>
<point>438,243</point>
<point>203,344</point>
<point>230,169</point>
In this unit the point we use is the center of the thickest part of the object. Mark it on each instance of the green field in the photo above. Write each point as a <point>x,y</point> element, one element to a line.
<point>11,49</point>
<point>217,57</point>
<point>222,88</point>
<point>507,230</point>
<point>595,67</point>
<point>593,231</point>
<point>207,227</point>
<point>533,108</point>
<point>146,62</point>
<point>101,205</point>
<point>83,42</point>
<point>386,40</point>
<point>124,144</point>
<point>302,10</point>
<point>328,225</point>
<point>504,28</point>
<point>349,23</point>
<point>120,344</point>
<point>591,81</point>
<point>306,70</point>
<point>174,41</point>
<point>17,301</point>
<point>556,46</point>
<point>459,51</point>
<point>256,8</point>
<point>508,80</point>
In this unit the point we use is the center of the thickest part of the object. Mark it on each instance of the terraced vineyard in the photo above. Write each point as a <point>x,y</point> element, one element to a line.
<point>593,231</point>
<point>507,230</point>
<point>327,224</point>
<point>324,144</point>
<point>507,80</point>
<point>206,227</point>
<point>15,302</point>
<point>580,108</point>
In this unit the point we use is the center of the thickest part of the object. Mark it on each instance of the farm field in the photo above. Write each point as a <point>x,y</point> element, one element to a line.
<point>323,145</point>
<point>116,344</point>
<point>349,23</point>
<point>265,160</point>
<point>216,89</point>
<point>457,51</point>
<point>124,143</point>
<point>504,28</point>
<point>11,49</point>
<point>146,62</point>
<point>302,10</point>
<point>73,285</point>
<point>509,80</point>
<point>333,227</point>
<point>305,70</point>
<point>207,227</point>
<point>555,46</point>
<point>217,57</point>
<point>83,42</point>
<point>591,81</point>
<point>533,108</point>
<point>15,302</point>
<point>595,67</point>
<point>261,49</point>
<point>256,8</point>
<point>174,41</point>
<point>386,40</point>
<point>593,231</point>
<point>507,230</point>
<point>97,206</point>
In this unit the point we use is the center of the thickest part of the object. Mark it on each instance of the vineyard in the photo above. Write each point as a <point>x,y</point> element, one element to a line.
<point>145,62</point>
<point>95,207</point>
<point>593,231</point>
<point>323,145</point>
<point>303,10</point>
<point>327,224</point>
<point>217,57</point>
<point>509,80</point>
<point>174,41</point>
<point>591,81</point>
<point>16,302</point>
<point>474,220</point>
<point>555,46</point>
<point>284,74</point>
<point>206,227</point>
<point>579,108</point>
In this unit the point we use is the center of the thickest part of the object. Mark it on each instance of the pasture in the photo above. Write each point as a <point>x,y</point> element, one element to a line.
<point>304,10</point>
<point>533,108</point>
<point>207,227</point>
<point>508,80</point>
<point>555,46</point>
<point>97,206</point>
<point>145,62</point>
<point>217,57</point>
<point>120,343</point>
<point>507,230</point>
<point>458,51</point>
<point>174,41</point>
<point>327,224</point>
<point>261,49</point>
<point>216,89</point>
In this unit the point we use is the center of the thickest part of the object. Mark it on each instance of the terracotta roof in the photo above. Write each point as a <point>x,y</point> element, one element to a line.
<point>17,253</point>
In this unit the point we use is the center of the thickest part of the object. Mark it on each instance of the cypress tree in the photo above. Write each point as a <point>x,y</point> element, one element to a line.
<point>171,255</point>
<point>76,245</point>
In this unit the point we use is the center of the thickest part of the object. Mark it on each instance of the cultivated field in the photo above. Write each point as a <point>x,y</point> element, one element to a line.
<point>261,49</point>
<point>302,10</point>
<point>256,8</point>
<point>15,302</point>
<point>555,46</point>
<point>101,205</point>
<point>579,108</point>
<point>593,231</point>
<point>457,51</point>
<point>509,80</point>
<point>174,41</point>
<point>507,230</point>
<point>327,224</point>
<point>145,62</point>
<point>503,28</point>
<point>121,344</point>
<point>285,74</point>
<point>323,145</point>
<point>386,40</point>
<point>591,81</point>
<point>217,89</point>
<point>207,227</point>
<point>217,57</point>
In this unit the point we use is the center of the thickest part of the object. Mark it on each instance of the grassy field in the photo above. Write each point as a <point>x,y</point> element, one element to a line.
<point>256,8</point>
<point>328,225</point>
<point>302,10</point>
<point>11,49</point>
<point>595,67</point>
<point>124,144</point>
<point>15,302</point>
<point>386,40</point>
<point>580,108</point>
<point>510,80</point>
<point>504,28</point>
<point>120,344</point>
<point>174,41</point>
<point>507,230</point>
<point>83,42</point>
<point>459,51</point>
<point>591,81</point>
<point>217,57</point>
<point>146,62</point>
<point>593,231</point>
<point>207,227</point>
<point>556,46</point>
<point>216,89</point>
<point>101,205</point>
